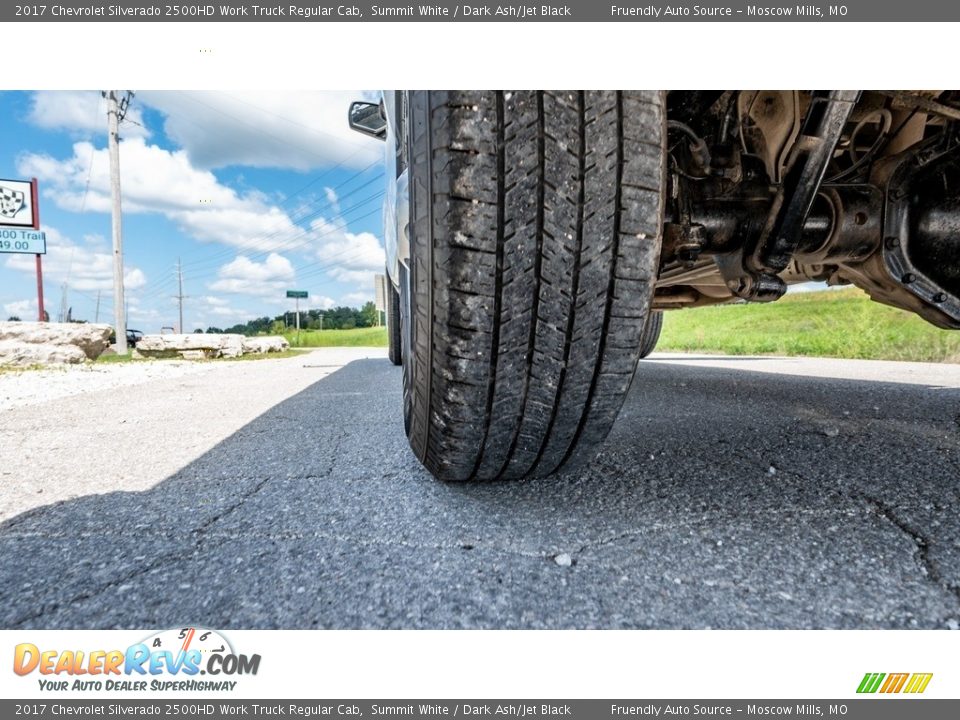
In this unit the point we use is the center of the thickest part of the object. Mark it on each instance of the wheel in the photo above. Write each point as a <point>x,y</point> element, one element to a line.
<point>535,229</point>
<point>395,352</point>
<point>651,333</point>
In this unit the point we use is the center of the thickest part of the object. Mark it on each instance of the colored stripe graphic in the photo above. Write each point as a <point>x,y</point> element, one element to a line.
<point>894,682</point>
<point>918,682</point>
<point>870,682</point>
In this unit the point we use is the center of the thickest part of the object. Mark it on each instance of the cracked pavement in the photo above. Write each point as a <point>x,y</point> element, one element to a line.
<point>732,493</point>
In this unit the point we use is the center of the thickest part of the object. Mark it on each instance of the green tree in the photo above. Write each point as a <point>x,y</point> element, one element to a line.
<point>368,315</point>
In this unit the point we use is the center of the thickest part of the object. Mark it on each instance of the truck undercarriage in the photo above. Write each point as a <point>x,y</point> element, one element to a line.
<point>771,188</point>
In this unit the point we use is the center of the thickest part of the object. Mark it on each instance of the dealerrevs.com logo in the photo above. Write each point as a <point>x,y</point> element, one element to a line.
<point>169,660</point>
<point>891,683</point>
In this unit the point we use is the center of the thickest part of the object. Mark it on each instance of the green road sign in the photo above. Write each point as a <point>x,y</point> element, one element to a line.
<point>297,293</point>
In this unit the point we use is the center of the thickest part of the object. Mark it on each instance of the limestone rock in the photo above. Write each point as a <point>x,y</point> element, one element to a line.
<point>211,345</point>
<point>20,354</point>
<point>91,339</point>
<point>268,344</point>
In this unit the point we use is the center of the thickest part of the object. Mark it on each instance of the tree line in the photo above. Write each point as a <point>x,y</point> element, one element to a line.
<point>338,318</point>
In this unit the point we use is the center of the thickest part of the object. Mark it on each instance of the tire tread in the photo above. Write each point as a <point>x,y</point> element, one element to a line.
<point>535,229</point>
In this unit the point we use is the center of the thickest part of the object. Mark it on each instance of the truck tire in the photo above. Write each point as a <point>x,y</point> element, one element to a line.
<point>651,333</point>
<point>535,229</point>
<point>394,351</point>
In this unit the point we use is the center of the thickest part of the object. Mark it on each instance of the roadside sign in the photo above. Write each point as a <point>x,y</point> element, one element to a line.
<point>19,210</point>
<point>297,293</point>
<point>29,242</point>
<point>17,204</point>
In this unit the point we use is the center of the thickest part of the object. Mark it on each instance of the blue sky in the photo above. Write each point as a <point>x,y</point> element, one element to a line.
<point>256,193</point>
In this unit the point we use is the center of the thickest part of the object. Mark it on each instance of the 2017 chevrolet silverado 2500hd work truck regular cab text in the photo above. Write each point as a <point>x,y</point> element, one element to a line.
<point>532,238</point>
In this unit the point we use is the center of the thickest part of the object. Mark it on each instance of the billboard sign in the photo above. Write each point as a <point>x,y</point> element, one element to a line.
<point>17,207</point>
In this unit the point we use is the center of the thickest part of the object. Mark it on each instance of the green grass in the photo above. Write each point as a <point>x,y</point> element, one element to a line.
<point>14,369</point>
<point>834,323</point>
<point>359,337</point>
<point>114,358</point>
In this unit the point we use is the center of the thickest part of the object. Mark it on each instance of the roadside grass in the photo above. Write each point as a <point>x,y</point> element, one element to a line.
<point>309,339</point>
<point>831,323</point>
<point>128,357</point>
<point>357,337</point>
<point>14,369</point>
<point>106,359</point>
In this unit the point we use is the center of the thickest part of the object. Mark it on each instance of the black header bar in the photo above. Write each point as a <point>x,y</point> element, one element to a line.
<point>449,11</point>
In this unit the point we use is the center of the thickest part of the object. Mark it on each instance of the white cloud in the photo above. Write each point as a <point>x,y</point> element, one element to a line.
<point>269,279</point>
<point>161,181</point>
<point>332,199</point>
<point>23,309</point>
<point>83,268</point>
<point>176,185</point>
<point>81,113</point>
<point>301,131</point>
<point>208,310</point>
<point>322,302</point>
<point>357,299</point>
<point>348,257</point>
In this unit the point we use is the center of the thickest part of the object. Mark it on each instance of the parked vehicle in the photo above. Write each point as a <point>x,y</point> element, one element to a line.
<point>133,337</point>
<point>533,238</point>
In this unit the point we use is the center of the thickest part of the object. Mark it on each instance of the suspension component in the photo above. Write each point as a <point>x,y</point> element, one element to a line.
<point>752,272</point>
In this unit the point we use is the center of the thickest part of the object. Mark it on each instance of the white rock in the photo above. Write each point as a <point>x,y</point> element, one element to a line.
<point>91,339</point>
<point>210,344</point>
<point>563,560</point>
<point>193,354</point>
<point>20,354</point>
<point>267,344</point>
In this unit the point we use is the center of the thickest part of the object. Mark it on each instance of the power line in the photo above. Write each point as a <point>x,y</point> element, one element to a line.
<point>259,129</point>
<point>299,238</point>
<point>313,213</point>
<point>285,244</point>
<point>93,153</point>
<point>346,253</point>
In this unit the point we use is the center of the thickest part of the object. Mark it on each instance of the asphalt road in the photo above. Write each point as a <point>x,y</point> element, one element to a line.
<point>732,493</point>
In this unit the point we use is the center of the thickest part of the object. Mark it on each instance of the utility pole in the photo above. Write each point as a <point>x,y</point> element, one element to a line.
<point>62,316</point>
<point>116,109</point>
<point>96,315</point>
<point>180,296</point>
<point>298,321</point>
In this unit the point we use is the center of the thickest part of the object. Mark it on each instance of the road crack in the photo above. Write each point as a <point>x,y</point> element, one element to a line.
<point>200,534</point>
<point>928,568</point>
